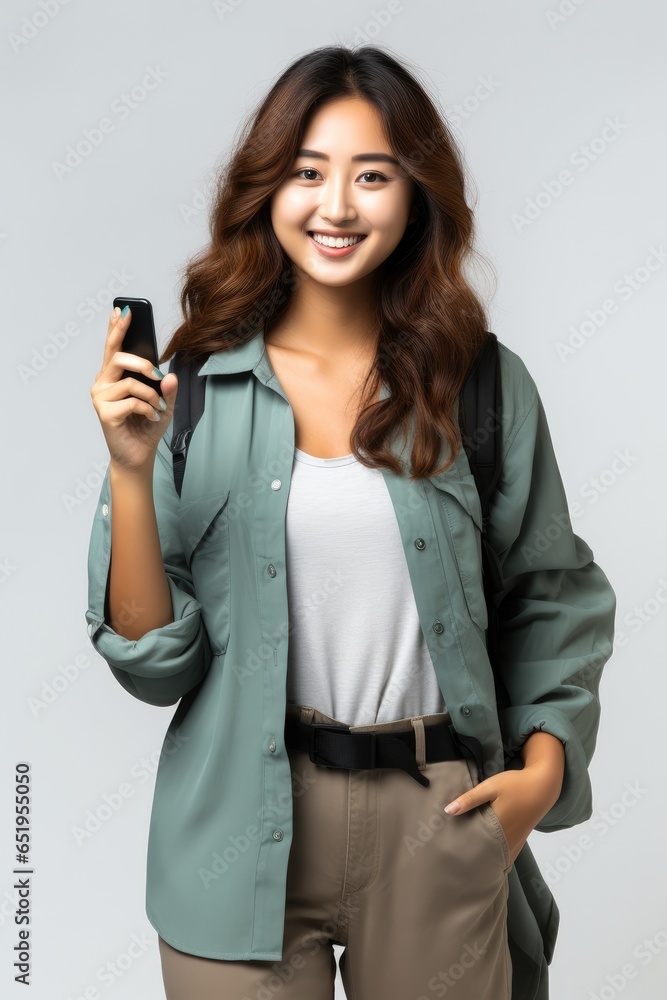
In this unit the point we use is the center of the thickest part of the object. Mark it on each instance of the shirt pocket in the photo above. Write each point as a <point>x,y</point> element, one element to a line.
<point>204,524</point>
<point>462,509</point>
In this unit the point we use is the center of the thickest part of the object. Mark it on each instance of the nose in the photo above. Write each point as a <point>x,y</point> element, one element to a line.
<point>337,202</point>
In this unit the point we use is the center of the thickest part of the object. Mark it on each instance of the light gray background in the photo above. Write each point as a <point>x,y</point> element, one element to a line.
<point>136,206</point>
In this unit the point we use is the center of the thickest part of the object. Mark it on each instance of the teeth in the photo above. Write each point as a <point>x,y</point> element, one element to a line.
<point>336,241</point>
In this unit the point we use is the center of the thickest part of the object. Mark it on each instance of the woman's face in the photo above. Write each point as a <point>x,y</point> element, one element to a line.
<point>344,181</point>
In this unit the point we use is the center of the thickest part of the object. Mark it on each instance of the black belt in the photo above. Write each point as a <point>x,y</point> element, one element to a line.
<point>336,746</point>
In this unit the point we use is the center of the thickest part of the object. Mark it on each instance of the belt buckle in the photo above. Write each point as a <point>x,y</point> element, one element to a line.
<point>316,757</point>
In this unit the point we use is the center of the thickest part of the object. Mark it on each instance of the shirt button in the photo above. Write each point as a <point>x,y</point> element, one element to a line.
<point>105,509</point>
<point>272,569</point>
<point>277,834</point>
<point>272,746</point>
<point>438,626</point>
<point>420,543</point>
<point>276,484</point>
<point>465,710</point>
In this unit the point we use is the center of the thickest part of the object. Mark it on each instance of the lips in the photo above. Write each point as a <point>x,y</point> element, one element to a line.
<point>333,252</point>
<point>357,237</point>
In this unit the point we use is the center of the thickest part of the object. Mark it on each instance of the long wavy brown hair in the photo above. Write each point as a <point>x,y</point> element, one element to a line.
<point>430,324</point>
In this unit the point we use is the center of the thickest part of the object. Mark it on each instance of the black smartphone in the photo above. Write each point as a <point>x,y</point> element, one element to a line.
<point>140,337</point>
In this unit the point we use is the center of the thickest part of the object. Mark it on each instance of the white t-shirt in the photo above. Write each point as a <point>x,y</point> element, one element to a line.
<point>356,650</point>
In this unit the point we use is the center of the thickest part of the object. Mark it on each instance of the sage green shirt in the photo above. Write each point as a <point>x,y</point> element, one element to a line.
<point>221,823</point>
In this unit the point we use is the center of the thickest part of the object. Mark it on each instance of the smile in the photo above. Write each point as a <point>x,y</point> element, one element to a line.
<point>335,246</point>
<point>336,241</point>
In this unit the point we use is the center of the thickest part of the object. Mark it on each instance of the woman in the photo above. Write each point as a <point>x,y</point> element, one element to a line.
<point>314,574</point>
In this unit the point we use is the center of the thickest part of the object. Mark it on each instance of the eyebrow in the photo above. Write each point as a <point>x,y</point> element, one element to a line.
<point>360,157</point>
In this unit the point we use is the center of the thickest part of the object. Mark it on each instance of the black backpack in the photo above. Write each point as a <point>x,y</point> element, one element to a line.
<point>480,404</point>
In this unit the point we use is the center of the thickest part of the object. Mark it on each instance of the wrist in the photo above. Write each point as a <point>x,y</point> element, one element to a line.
<point>542,752</point>
<point>125,473</point>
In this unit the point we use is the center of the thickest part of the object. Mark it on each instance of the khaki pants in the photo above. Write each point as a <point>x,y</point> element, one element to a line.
<point>417,898</point>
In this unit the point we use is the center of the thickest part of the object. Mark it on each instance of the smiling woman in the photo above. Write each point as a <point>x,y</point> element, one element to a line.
<point>348,144</point>
<point>313,596</point>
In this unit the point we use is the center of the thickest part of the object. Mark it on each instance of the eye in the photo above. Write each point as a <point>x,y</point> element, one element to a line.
<point>367,173</point>
<point>373,173</point>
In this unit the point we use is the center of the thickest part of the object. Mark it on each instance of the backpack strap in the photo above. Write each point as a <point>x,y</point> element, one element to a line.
<point>187,411</point>
<point>480,420</point>
<point>480,413</point>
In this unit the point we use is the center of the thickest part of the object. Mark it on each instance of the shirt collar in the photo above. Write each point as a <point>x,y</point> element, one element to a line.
<point>253,356</point>
<point>239,358</point>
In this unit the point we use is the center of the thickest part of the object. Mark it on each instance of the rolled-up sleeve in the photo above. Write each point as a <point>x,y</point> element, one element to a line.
<point>557,613</point>
<point>166,662</point>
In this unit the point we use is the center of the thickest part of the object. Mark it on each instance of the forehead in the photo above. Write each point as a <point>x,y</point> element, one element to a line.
<point>345,122</point>
<point>343,131</point>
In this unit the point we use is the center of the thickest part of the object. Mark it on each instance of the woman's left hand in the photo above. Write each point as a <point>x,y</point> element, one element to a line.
<point>520,798</point>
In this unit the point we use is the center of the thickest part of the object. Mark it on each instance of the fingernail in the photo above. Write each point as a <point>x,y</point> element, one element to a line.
<point>453,807</point>
<point>125,311</point>
<point>163,405</point>
<point>158,373</point>
<point>116,312</point>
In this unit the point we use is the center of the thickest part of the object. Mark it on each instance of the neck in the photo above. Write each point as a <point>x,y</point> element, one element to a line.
<point>329,322</point>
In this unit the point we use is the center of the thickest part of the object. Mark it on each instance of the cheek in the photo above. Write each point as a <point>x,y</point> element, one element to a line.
<point>390,219</point>
<point>289,208</point>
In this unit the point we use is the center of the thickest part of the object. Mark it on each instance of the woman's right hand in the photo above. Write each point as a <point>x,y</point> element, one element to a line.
<point>127,407</point>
